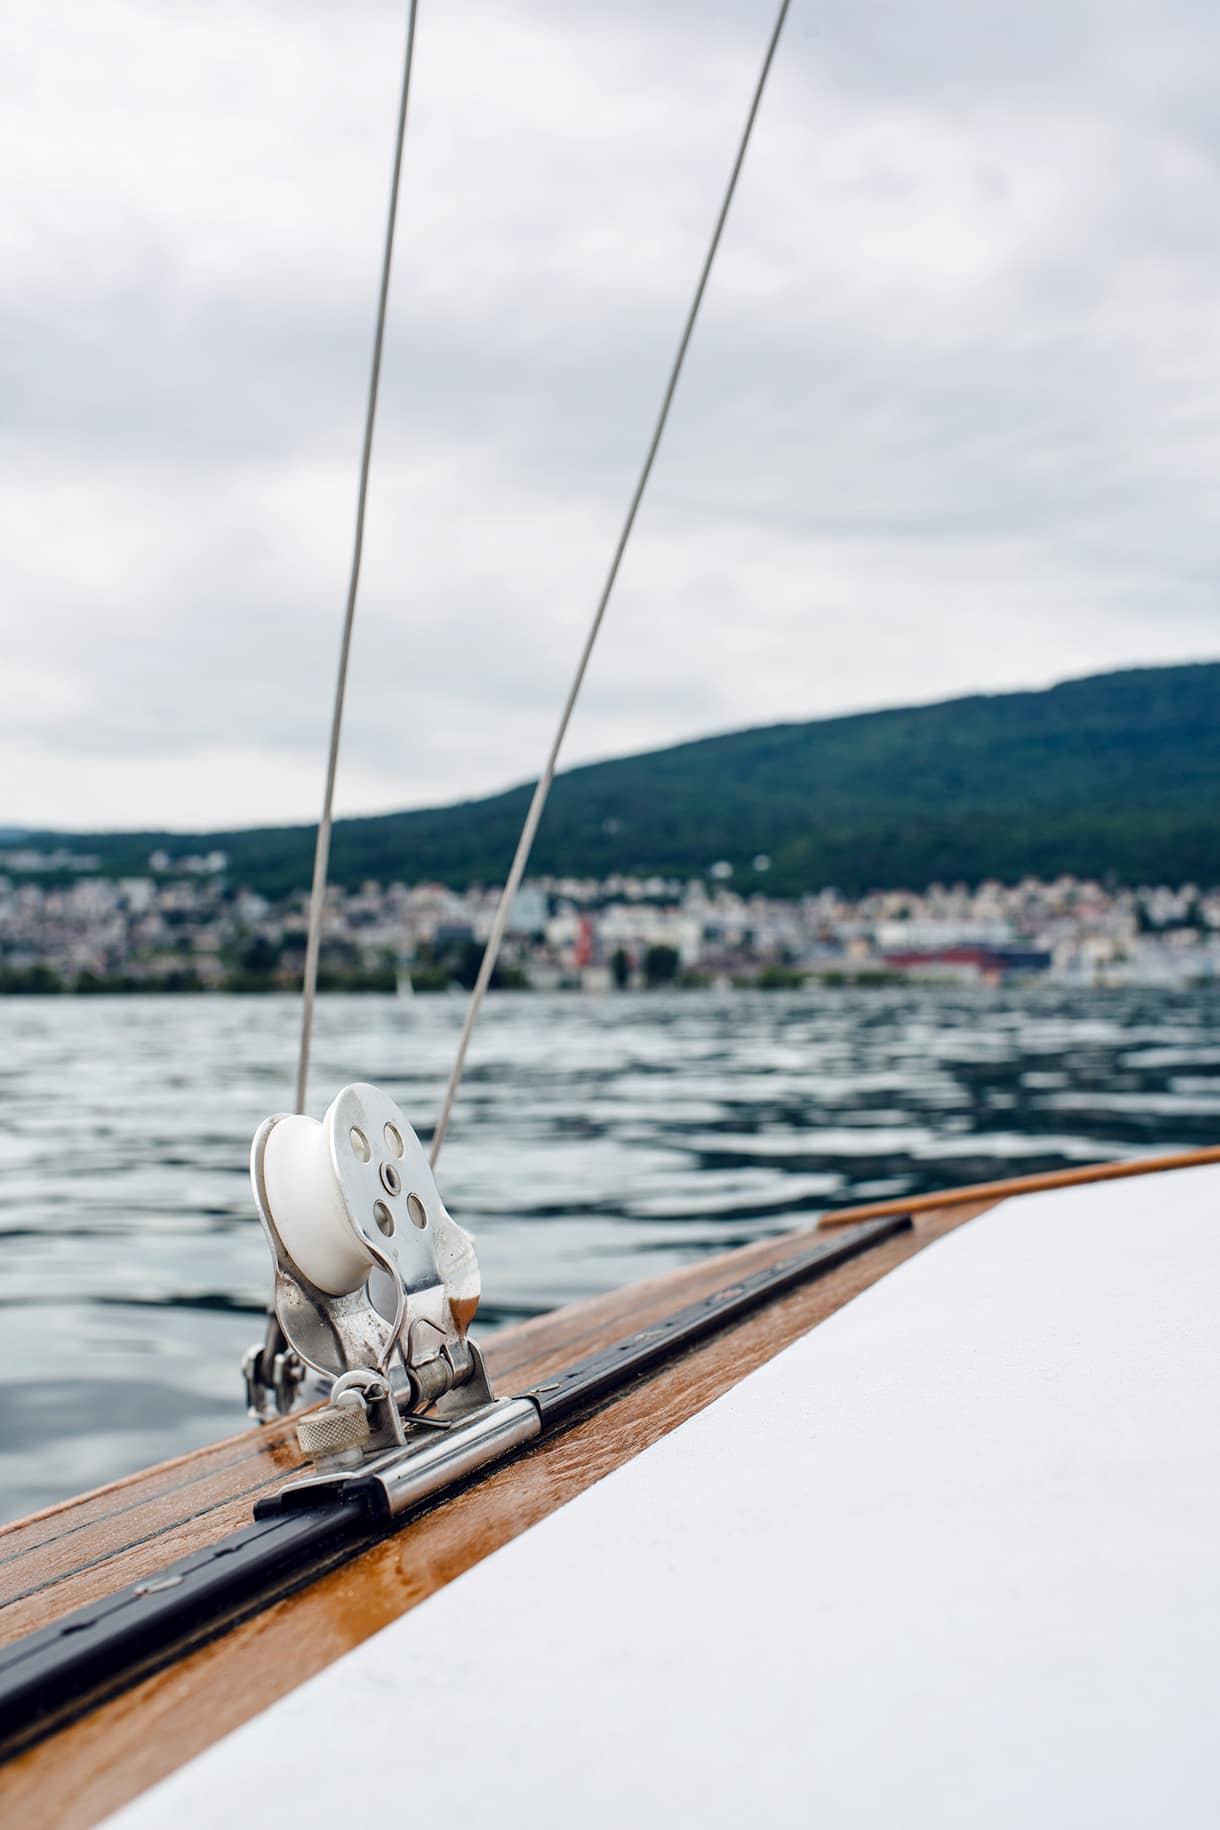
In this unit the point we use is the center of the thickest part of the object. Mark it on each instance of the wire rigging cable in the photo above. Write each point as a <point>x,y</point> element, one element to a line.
<point>317,898</point>
<point>543,786</point>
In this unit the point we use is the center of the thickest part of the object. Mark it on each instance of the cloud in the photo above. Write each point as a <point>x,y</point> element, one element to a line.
<point>950,420</point>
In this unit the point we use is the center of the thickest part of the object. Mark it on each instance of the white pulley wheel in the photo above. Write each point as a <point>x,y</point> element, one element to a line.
<point>308,1209</point>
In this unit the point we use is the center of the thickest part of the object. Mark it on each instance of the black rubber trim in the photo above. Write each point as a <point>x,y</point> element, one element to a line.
<point>62,1670</point>
<point>584,1384</point>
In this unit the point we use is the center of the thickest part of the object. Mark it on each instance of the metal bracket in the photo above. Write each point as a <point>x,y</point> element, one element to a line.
<point>273,1374</point>
<point>375,1284</point>
<point>427,1462</point>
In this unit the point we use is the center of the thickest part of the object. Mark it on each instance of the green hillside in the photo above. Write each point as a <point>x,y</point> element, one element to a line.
<point>1118,774</point>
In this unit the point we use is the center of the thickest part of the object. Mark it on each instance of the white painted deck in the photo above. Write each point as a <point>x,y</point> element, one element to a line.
<point>953,1559</point>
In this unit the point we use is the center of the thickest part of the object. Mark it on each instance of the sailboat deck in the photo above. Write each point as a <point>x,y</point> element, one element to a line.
<point>948,1560</point>
<point>63,1558</point>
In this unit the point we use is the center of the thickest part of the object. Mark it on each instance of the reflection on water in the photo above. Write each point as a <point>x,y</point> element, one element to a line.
<point>597,1141</point>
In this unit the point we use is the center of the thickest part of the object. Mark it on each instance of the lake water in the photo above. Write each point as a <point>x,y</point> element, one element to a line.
<point>597,1141</point>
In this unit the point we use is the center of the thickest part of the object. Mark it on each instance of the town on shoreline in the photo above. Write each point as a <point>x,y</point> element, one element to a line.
<point>185,926</point>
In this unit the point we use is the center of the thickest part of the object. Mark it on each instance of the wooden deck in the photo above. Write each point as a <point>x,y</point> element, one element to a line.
<point>67,1556</point>
<point>948,1561</point>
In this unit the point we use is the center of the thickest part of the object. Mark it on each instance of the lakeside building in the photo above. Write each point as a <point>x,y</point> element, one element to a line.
<point>195,930</point>
<point>971,964</point>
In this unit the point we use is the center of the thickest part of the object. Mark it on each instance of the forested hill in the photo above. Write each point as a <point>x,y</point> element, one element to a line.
<point>1114,775</point>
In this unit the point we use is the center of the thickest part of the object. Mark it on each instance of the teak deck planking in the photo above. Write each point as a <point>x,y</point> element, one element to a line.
<point>70,1554</point>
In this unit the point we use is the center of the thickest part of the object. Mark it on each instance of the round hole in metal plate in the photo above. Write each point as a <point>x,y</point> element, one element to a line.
<point>393,1140</point>
<point>384,1218</point>
<point>360,1143</point>
<point>417,1211</point>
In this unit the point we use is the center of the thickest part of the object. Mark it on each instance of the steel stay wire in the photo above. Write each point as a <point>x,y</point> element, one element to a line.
<point>543,785</point>
<point>264,1360</point>
<point>317,897</point>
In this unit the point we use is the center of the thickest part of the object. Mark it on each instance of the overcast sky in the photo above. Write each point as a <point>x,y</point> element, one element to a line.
<point>951,419</point>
